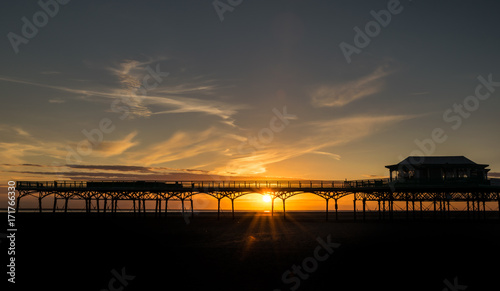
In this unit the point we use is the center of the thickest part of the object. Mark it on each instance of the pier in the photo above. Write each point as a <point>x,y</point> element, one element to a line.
<point>438,180</point>
<point>103,196</point>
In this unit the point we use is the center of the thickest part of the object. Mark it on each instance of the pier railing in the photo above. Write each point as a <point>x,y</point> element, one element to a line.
<point>297,184</point>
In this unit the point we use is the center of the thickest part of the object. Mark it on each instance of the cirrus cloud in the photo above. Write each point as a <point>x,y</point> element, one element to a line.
<point>338,95</point>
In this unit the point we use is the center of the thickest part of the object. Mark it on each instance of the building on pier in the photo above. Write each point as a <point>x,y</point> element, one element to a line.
<point>438,170</point>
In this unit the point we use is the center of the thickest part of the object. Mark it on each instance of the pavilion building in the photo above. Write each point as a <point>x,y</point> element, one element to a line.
<point>438,170</point>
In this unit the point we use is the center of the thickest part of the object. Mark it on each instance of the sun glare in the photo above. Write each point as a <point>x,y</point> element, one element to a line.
<point>266,198</point>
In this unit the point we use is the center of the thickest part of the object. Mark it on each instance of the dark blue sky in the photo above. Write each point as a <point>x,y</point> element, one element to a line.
<point>216,110</point>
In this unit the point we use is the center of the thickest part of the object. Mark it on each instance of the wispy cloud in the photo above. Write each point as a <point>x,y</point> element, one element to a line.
<point>57,101</point>
<point>21,131</point>
<point>50,72</point>
<point>419,93</point>
<point>109,148</point>
<point>167,98</point>
<point>338,95</point>
<point>18,152</point>
<point>182,145</point>
<point>323,134</point>
<point>334,156</point>
<point>14,129</point>
<point>122,172</point>
<point>169,95</point>
<point>342,130</point>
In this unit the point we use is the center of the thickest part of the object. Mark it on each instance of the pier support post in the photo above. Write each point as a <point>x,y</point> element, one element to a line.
<point>413,207</point>
<point>498,200</point>
<point>284,213</point>
<point>354,206</point>
<point>336,209</point>
<point>478,208</point>
<point>380,212</point>
<point>19,200</point>
<point>218,208</point>
<point>55,204</point>
<point>468,209</point>
<point>232,207</point>
<point>105,204</point>
<point>391,207</point>
<point>407,213</point>
<point>40,204</point>
<point>192,207</point>
<point>327,208</point>
<point>87,206</point>
<point>66,204</point>
<point>364,206</point>
<point>272,206</point>
<point>434,203</point>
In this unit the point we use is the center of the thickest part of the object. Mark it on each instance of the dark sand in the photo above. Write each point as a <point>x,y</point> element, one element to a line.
<point>78,252</point>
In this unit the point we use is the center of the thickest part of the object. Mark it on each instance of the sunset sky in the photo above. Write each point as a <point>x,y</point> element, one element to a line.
<point>171,90</point>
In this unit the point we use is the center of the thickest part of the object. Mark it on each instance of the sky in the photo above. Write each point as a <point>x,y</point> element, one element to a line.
<point>239,89</point>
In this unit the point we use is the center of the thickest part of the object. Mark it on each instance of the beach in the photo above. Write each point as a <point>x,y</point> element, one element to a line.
<point>255,251</point>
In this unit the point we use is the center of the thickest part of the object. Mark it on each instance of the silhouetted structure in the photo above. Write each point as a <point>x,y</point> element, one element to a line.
<point>438,180</point>
<point>439,170</point>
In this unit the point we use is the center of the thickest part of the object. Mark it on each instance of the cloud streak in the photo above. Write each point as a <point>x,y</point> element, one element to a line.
<point>168,96</point>
<point>172,100</point>
<point>322,134</point>
<point>339,95</point>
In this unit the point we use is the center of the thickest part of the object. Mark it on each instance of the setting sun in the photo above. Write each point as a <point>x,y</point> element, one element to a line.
<point>266,198</point>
